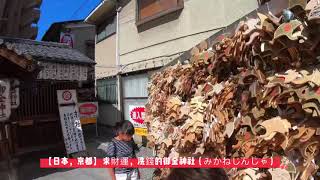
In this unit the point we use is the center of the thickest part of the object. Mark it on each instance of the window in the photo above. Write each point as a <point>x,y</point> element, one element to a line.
<point>107,91</point>
<point>106,29</point>
<point>148,10</point>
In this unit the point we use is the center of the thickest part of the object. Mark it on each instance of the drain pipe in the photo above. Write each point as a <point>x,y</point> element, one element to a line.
<point>119,82</point>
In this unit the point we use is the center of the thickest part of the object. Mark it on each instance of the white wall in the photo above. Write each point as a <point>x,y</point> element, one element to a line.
<point>199,20</point>
<point>105,55</point>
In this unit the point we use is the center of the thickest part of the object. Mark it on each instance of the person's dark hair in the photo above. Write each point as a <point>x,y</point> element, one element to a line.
<point>197,174</point>
<point>125,127</point>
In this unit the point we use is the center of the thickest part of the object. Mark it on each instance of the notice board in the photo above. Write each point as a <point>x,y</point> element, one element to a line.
<point>70,121</point>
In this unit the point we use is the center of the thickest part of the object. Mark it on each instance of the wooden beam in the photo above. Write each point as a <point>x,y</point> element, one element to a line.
<point>16,59</point>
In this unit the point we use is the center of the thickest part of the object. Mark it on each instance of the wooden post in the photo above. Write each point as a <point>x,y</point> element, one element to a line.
<point>10,138</point>
<point>4,144</point>
<point>2,140</point>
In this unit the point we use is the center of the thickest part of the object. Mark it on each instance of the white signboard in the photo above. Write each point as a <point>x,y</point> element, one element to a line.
<point>67,97</point>
<point>5,102</point>
<point>70,121</point>
<point>71,129</point>
<point>137,114</point>
<point>83,73</point>
<point>67,38</point>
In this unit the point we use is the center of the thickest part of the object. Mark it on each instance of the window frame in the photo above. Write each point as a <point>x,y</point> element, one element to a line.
<point>103,26</point>
<point>106,91</point>
<point>180,5</point>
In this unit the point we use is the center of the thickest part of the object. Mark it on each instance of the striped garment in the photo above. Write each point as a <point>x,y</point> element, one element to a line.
<point>121,149</point>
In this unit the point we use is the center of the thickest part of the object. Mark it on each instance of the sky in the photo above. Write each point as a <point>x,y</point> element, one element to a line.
<point>63,10</point>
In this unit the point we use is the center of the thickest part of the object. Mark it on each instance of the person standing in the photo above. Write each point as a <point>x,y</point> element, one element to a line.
<point>123,146</point>
<point>197,174</point>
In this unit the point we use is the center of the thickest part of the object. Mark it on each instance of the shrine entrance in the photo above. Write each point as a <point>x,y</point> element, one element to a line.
<point>33,123</point>
<point>15,69</point>
<point>36,122</point>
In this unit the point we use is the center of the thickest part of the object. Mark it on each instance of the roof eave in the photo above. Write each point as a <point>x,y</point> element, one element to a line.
<point>64,61</point>
<point>105,8</point>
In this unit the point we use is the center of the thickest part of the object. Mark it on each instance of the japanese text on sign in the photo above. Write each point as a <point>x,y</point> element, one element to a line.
<point>137,115</point>
<point>71,128</point>
<point>5,102</point>
<point>70,121</point>
<point>150,162</point>
<point>14,93</point>
<point>88,112</point>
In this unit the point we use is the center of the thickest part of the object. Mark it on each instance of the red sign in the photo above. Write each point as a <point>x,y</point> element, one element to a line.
<point>287,27</point>
<point>88,109</point>
<point>150,162</point>
<point>137,114</point>
<point>66,95</point>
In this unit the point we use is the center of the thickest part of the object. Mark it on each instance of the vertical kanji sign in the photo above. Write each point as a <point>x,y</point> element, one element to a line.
<point>5,102</point>
<point>14,93</point>
<point>70,121</point>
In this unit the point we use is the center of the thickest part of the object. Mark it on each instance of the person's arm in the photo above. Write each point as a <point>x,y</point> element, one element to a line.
<point>135,148</point>
<point>112,174</point>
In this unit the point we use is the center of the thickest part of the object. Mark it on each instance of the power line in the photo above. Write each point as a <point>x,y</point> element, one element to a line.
<point>80,7</point>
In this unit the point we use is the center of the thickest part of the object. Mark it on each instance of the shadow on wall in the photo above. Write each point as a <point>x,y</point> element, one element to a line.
<point>108,114</point>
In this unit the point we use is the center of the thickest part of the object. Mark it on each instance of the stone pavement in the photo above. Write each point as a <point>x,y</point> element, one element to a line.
<point>27,166</point>
<point>78,174</point>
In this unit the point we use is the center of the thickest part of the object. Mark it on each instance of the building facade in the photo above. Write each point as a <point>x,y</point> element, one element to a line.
<point>103,17</point>
<point>154,33</point>
<point>151,34</point>
<point>83,35</point>
<point>19,18</point>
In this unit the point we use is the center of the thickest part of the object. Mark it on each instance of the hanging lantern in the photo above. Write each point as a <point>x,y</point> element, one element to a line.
<point>5,104</point>
<point>14,93</point>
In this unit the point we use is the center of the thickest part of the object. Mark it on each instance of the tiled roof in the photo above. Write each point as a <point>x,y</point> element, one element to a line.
<point>46,51</point>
